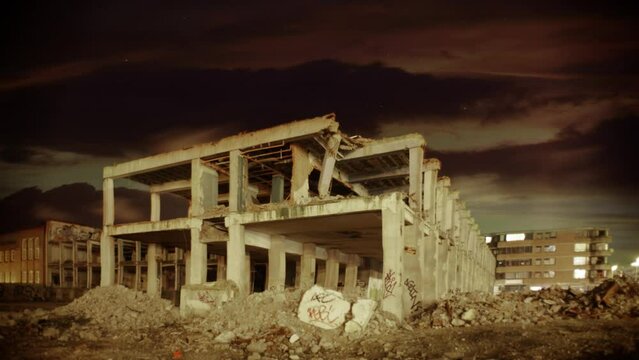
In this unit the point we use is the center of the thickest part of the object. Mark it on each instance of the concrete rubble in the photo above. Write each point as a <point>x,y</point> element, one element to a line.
<point>613,299</point>
<point>267,325</point>
<point>323,308</point>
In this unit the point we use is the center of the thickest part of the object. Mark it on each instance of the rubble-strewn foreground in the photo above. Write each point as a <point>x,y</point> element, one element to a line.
<point>116,322</point>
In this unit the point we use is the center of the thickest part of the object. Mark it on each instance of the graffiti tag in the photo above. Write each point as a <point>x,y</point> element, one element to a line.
<point>416,305</point>
<point>323,298</point>
<point>390,281</point>
<point>321,313</point>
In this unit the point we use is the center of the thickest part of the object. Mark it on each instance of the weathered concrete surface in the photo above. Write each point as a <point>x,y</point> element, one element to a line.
<point>323,308</point>
<point>198,299</point>
<point>362,311</point>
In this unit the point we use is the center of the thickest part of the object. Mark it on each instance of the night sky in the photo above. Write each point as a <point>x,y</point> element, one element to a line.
<point>534,111</point>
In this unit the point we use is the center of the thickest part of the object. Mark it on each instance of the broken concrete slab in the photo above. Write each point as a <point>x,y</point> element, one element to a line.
<point>323,308</point>
<point>362,311</point>
<point>200,299</point>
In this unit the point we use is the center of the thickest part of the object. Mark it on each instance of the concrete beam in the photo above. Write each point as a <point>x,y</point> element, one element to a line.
<point>153,226</point>
<point>289,131</point>
<point>342,206</point>
<point>399,172</point>
<point>171,186</point>
<point>384,146</point>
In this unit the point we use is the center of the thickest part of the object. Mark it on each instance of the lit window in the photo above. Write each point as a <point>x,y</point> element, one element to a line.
<point>537,249</point>
<point>579,260</point>
<point>581,247</point>
<point>24,249</point>
<point>535,288</point>
<point>13,255</point>
<point>549,261</point>
<point>537,261</point>
<point>36,248</point>
<point>550,248</point>
<point>24,276</point>
<point>30,247</point>
<point>515,237</point>
<point>489,239</point>
<point>30,276</point>
<point>6,256</point>
<point>579,274</point>
<point>549,274</point>
<point>37,276</point>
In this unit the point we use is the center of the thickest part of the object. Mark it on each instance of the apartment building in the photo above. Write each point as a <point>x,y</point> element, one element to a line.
<point>575,258</point>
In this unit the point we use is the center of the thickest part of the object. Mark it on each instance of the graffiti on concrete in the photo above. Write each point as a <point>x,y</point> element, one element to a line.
<point>390,281</point>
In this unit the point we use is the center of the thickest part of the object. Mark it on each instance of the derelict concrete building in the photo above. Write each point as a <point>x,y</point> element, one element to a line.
<point>345,210</point>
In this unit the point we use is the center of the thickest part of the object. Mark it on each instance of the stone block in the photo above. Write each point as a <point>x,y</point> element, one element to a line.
<point>323,308</point>
<point>200,299</point>
<point>362,311</point>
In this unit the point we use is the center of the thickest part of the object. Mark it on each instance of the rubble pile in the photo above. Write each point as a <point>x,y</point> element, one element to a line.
<point>116,308</point>
<point>613,299</point>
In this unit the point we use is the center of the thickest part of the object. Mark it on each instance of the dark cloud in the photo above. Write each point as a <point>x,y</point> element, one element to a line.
<point>114,110</point>
<point>599,160</point>
<point>79,203</point>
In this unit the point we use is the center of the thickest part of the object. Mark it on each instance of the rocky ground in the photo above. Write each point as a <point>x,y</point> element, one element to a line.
<point>117,323</point>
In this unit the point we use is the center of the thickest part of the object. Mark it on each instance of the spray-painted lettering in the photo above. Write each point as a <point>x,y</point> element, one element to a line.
<point>416,305</point>
<point>390,281</point>
<point>321,313</point>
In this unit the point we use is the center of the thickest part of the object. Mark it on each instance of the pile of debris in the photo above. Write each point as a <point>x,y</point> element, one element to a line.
<point>117,308</point>
<point>613,299</point>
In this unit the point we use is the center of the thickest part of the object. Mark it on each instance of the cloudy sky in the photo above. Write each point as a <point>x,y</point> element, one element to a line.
<point>533,110</point>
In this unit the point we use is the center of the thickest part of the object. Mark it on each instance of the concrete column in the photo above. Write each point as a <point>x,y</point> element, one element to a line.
<point>393,247</point>
<point>308,266</point>
<point>221,267</point>
<point>152,271</point>
<point>328,165</point>
<point>187,267</point>
<point>248,270</point>
<point>350,275</point>
<point>235,255</point>
<point>442,267</point>
<point>428,252</point>
<point>107,243</point>
<point>276,263</point>
<point>415,192</point>
<point>431,169</point>
<point>238,181</point>
<point>321,273</point>
<point>197,270</point>
<point>302,168</point>
<point>155,207</point>
<point>277,189</point>
<point>332,269</point>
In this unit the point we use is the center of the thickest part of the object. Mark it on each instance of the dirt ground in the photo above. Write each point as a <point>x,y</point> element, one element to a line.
<point>561,339</point>
<point>120,323</point>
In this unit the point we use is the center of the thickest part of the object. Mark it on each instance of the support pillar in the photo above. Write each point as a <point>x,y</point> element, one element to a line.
<point>248,271</point>
<point>236,258</point>
<point>302,168</point>
<point>328,165</point>
<point>415,192</point>
<point>220,268</point>
<point>393,247</point>
<point>238,181</point>
<point>152,270</point>
<point>332,270</point>
<point>277,189</point>
<point>107,243</point>
<point>276,263</point>
<point>350,275</point>
<point>197,270</point>
<point>308,266</point>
